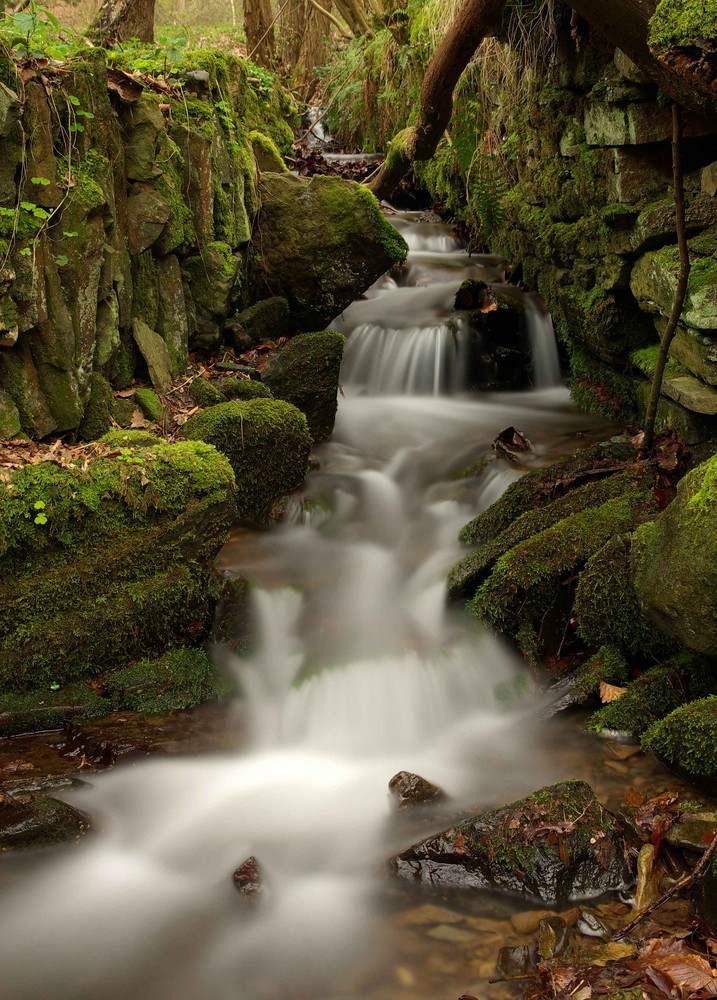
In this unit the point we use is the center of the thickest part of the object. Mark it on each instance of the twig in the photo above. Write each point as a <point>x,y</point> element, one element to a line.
<point>696,873</point>
<point>683,277</point>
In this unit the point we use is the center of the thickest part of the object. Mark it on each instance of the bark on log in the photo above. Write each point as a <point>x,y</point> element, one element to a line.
<point>120,20</point>
<point>471,24</point>
<point>259,30</point>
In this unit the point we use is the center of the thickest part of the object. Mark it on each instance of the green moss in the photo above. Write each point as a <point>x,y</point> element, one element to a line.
<point>122,411</point>
<point>121,371</point>
<point>266,152</point>
<point>241,388</point>
<point>702,487</point>
<point>145,290</point>
<point>45,709</point>
<point>608,665</point>
<point>204,392</point>
<point>646,361</point>
<point>150,404</point>
<point>538,488</point>
<point>606,606</point>
<point>656,693</point>
<point>97,418</point>
<point>267,442</point>
<point>599,388</point>
<point>687,737</point>
<point>526,580</point>
<point>182,678</point>
<point>130,439</point>
<point>683,23</point>
<point>473,568</point>
<point>100,565</point>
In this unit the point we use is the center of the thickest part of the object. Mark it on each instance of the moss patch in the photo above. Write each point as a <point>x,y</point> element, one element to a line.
<point>182,678</point>
<point>687,737</point>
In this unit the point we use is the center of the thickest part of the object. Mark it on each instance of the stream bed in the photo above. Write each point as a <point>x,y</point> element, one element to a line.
<point>357,670</point>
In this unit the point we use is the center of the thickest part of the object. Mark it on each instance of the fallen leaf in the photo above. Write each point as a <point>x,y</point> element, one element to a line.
<point>138,420</point>
<point>610,692</point>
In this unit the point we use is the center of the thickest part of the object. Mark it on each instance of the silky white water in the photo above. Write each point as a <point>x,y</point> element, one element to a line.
<point>358,671</point>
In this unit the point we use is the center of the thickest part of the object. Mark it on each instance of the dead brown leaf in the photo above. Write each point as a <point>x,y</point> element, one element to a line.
<point>610,692</point>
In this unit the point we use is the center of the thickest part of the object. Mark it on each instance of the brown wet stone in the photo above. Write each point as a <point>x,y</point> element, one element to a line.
<point>429,913</point>
<point>529,921</point>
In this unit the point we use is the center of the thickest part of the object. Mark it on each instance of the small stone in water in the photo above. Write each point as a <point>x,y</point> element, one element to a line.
<point>409,790</point>
<point>444,932</point>
<point>513,961</point>
<point>552,937</point>
<point>429,913</point>
<point>247,878</point>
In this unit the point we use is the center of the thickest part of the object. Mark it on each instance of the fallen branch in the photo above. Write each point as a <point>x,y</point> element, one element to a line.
<point>684,883</point>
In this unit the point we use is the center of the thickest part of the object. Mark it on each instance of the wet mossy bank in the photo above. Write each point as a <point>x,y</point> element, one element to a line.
<point>558,156</point>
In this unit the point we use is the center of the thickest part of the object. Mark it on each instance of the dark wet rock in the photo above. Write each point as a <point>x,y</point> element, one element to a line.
<point>693,830</point>
<point>411,790</point>
<point>83,748</point>
<point>37,821</point>
<point>705,897</point>
<point>305,372</point>
<point>515,961</point>
<point>556,845</point>
<point>323,242</point>
<point>248,879</point>
<point>552,938</point>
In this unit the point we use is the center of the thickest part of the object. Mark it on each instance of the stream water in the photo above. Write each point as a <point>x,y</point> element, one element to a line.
<point>358,670</point>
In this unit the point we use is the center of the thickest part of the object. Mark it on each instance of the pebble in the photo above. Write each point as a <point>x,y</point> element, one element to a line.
<point>404,976</point>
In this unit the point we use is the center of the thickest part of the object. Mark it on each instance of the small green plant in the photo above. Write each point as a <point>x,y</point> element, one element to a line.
<point>38,510</point>
<point>34,33</point>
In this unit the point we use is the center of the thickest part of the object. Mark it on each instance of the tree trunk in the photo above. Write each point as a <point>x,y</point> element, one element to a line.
<point>472,23</point>
<point>259,29</point>
<point>120,20</point>
<point>303,30</point>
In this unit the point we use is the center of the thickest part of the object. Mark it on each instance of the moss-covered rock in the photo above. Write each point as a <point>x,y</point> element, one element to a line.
<point>320,243</point>
<point>265,320</point>
<point>557,845</point>
<point>204,392</point>
<point>214,281</point>
<point>305,372</point>
<point>209,392</point>
<point>655,694</point>
<point>266,153</point>
<point>526,582</point>
<point>102,565</point>
<point>43,709</point>
<point>150,404</point>
<point>467,574</point>
<point>683,23</point>
<point>267,442</point>
<point>97,418</point>
<point>686,739</point>
<point>606,607</point>
<point>182,678</point>
<point>540,487</point>
<point>10,425</point>
<point>675,563</point>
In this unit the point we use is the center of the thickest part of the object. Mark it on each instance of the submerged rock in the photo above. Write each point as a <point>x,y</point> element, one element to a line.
<point>555,845</point>
<point>38,821</point>
<point>411,790</point>
<point>320,244</point>
<point>305,372</point>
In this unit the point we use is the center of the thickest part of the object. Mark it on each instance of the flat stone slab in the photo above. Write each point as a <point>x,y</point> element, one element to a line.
<point>154,351</point>
<point>692,394</point>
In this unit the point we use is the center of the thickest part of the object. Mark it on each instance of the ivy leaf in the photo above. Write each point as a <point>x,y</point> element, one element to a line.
<point>62,259</point>
<point>40,180</point>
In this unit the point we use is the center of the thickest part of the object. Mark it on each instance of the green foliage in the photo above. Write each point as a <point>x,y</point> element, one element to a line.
<point>683,22</point>
<point>182,678</point>
<point>608,665</point>
<point>34,33</point>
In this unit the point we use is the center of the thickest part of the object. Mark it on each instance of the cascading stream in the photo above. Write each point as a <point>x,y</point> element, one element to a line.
<point>358,671</point>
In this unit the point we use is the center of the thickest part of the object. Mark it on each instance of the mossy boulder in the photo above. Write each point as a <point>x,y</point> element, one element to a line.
<point>109,563</point>
<point>150,404</point>
<point>305,372</point>
<point>556,845</point>
<point>208,392</point>
<point>686,739</point>
<point>656,693</point>
<point>674,562</point>
<point>10,425</point>
<point>266,153</point>
<point>267,442</point>
<point>320,243</point>
<point>526,583</point>
<point>265,320</point>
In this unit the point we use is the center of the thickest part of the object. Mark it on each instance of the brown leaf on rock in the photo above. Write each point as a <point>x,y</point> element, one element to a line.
<point>125,86</point>
<point>633,799</point>
<point>138,420</point>
<point>610,692</point>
